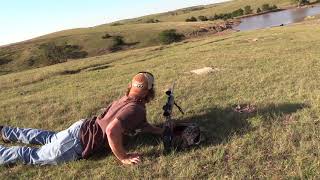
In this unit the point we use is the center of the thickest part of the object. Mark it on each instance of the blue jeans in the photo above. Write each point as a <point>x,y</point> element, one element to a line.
<point>57,147</point>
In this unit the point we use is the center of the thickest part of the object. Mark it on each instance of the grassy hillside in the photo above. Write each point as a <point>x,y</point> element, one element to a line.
<point>278,72</point>
<point>137,33</point>
<point>90,40</point>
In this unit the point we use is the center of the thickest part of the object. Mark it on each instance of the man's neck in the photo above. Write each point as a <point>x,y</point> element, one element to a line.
<point>137,97</point>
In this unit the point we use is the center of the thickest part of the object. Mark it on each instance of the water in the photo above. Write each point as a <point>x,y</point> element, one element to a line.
<point>276,18</point>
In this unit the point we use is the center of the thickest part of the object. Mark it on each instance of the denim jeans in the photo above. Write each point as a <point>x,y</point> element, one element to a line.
<point>56,147</point>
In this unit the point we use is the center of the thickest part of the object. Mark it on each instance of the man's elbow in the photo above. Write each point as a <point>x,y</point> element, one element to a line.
<point>110,131</point>
<point>113,129</point>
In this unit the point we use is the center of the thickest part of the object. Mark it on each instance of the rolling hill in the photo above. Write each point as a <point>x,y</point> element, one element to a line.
<point>92,41</point>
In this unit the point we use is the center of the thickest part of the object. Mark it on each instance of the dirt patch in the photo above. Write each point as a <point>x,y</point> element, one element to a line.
<point>67,72</point>
<point>98,68</point>
<point>212,29</point>
<point>85,69</point>
<point>244,108</point>
<point>205,70</point>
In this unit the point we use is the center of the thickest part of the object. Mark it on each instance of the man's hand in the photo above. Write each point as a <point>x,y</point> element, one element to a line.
<point>131,159</point>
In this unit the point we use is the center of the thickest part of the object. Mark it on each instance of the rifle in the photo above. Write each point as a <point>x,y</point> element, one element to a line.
<point>168,129</point>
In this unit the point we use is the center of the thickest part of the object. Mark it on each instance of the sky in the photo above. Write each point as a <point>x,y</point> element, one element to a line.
<point>25,19</point>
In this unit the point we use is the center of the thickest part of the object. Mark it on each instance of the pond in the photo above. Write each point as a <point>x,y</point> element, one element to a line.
<point>276,18</point>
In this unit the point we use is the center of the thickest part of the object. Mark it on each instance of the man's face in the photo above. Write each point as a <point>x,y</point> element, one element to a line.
<point>150,95</point>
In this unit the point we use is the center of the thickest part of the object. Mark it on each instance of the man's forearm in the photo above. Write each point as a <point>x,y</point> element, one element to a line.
<point>114,135</point>
<point>152,129</point>
<point>115,143</point>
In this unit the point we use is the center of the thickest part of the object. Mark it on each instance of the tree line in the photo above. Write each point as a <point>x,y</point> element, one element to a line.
<point>239,12</point>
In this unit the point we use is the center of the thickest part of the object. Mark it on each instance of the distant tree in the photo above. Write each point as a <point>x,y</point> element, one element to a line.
<point>170,36</point>
<point>192,19</point>
<point>106,36</point>
<point>248,10</point>
<point>259,10</point>
<point>301,2</point>
<point>274,7</point>
<point>216,16</point>
<point>227,16</point>
<point>241,12</point>
<point>238,12</point>
<point>118,40</point>
<point>266,7</point>
<point>152,21</point>
<point>203,18</point>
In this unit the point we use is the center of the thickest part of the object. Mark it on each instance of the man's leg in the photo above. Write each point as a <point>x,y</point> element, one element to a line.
<point>10,155</point>
<point>26,135</point>
<point>66,146</point>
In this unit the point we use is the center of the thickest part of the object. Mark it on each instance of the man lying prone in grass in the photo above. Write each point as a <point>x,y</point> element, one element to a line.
<point>87,137</point>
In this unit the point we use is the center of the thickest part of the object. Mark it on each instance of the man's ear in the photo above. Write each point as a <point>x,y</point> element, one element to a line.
<point>129,85</point>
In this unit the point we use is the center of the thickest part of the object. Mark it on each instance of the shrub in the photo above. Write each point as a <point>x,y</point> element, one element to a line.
<point>192,19</point>
<point>247,10</point>
<point>57,54</point>
<point>32,60</point>
<point>170,36</point>
<point>301,2</point>
<point>216,16</point>
<point>203,18</point>
<point>226,16</point>
<point>4,61</point>
<point>238,12</point>
<point>152,21</point>
<point>106,36</point>
<point>265,7</point>
<point>259,10</point>
<point>274,7</point>
<point>117,41</point>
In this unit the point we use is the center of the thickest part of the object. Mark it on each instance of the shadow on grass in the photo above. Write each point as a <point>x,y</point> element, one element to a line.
<point>219,124</point>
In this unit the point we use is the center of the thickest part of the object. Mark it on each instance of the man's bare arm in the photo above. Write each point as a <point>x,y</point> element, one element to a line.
<point>115,135</point>
<point>148,128</point>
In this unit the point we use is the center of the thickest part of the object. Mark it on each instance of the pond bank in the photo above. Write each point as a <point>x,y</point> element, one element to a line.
<point>277,18</point>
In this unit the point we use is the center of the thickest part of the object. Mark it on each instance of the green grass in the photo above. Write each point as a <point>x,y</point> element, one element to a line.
<point>279,74</point>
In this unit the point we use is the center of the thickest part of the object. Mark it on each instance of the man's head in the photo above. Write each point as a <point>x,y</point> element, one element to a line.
<point>142,86</point>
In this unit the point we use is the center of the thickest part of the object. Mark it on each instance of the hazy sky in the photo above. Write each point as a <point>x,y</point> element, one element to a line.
<point>25,19</point>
